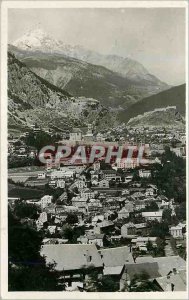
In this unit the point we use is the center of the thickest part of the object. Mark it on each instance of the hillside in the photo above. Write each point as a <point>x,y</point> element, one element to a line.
<point>168,116</point>
<point>173,97</point>
<point>34,100</point>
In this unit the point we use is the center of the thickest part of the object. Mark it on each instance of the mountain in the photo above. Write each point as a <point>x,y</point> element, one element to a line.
<point>167,116</point>
<point>39,41</point>
<point>34,100</point>
<point>175,96</point>
<point>80,78</point>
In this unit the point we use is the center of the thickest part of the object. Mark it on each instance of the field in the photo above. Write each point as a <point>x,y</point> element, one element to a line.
<point>24,192</point>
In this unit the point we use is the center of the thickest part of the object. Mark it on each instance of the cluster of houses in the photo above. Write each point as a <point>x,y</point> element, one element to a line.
<point>76,262</point>
<point>113,213</point>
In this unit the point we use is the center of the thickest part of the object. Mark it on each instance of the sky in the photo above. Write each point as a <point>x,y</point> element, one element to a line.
<point>153,36</point>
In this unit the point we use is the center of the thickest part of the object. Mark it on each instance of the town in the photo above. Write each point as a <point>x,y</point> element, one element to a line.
<point>118,226</point>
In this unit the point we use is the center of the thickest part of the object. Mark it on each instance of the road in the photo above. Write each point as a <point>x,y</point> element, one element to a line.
<point>168,248</point>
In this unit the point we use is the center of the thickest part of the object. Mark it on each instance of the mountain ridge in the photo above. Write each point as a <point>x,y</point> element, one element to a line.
<point>175,96</point>
<point>39,40</point>
<point>80,78</point>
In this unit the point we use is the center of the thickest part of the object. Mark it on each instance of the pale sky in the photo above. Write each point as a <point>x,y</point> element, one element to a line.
<point>153,36</point>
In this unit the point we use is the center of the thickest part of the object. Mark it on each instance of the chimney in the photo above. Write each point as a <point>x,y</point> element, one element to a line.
<point>174,271</point>
<point>88,257</point>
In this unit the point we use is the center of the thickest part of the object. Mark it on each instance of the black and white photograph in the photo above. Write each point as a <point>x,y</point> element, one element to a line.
<point>94,114</point>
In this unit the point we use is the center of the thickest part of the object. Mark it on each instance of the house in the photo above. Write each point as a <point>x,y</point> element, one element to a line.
<point>63,197</point>
<point>109,174</point>
<point>128,230</point>
<point>94,206</point>
<point>94,183</point>
<point>89,135</point>
<point>99,137</point>
<point>95,175</point>
<point>51,229</point>
<point>61,217</point>
<point>138,195</point>
<point>76,135</point>
<point>139,204</point>
<point>60,183</point>
<point>123,213</point>
<point>114,260</point>
<point>141,242</point>
<point>126,163</point>
<point>155,267</point>
<point>150,192</point>
<point>80,184</point>
<point>43,217</point>
<point>79,201</point>
<point>142,229</point>
<point>73,259</point>
<point>131,229</point>
<point>125,192</point>
<point>41,175</point>
<point>46,200</point>
<point>59,209</point>
<point>144,173</point>
<point>104,226</point>
<point>94,238</point>
<point>174,282</point>
<point>97,219</point>
<point>176,231</point>
<point>87,194</point>
<point>129,206</point>
<point>60,174</point>
<point>52,183</point>
<point>128,178</point>
<point>153,215</point>
<point>103,183</point>
<point>112,204</point>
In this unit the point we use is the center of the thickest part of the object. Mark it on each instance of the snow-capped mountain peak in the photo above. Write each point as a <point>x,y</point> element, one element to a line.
<point>37,39</point>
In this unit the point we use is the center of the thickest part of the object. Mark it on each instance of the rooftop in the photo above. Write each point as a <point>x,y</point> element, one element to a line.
<point>71,256</point>
<point>114,257</point>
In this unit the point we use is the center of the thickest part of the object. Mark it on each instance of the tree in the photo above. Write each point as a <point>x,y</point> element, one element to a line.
<point>27,269</point>
<point>149,246</point>
<point>25,210</point>
<point>152,206</point>
<point>181,211</point>
<point>160,247</point>
<point>136,176</point>
<point>167,215</point>
<point>72,219</point>
<point>67,232</point>
<point>170,177</point>
<point>57,193</point>
<point>159,229</point>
